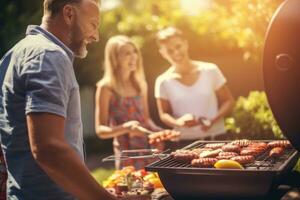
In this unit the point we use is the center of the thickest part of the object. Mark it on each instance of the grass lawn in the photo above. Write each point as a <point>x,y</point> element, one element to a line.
<point>101,174</point>
<point>297,166</point>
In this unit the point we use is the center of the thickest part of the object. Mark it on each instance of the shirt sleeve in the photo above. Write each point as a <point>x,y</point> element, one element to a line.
<point>160,91</point>
<point>219,78</point>
<point>46,85</point>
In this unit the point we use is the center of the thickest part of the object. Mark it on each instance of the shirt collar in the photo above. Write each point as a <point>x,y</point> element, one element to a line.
<point>34,30</point>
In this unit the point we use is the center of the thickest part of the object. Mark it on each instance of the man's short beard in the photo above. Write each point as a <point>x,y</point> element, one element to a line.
<point>77,40</point>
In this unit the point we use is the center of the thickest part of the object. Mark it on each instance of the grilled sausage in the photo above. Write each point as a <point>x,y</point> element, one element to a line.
<point>226,155</point>
<point>204,162</point>
<point>254,149</point>
<point>243,159</point>
<point>242,143</point>
<point>162,136</point>
<point>276,152</point>
<point>214,145</point>
<point>261,145</point>
<point>249,152</point>
<point>280,143</point>
<point>231,148</point>
<point>184,155</point>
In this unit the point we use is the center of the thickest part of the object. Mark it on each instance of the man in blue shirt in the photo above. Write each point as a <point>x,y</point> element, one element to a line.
<point>40,117</point>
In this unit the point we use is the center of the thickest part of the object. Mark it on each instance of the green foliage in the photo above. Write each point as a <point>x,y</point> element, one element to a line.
<point>252,118</point>
<point>231,24</point>
<point>15,15</point>
<point>227,25</point>
<point>239,24</point>
<point>297,166</point>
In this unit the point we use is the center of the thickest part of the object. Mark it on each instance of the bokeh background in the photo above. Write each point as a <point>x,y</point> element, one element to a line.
<point>229,33</point>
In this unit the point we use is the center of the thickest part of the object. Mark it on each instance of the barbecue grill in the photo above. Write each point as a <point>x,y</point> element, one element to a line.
<point>184,181</point>
<point>281,76</point>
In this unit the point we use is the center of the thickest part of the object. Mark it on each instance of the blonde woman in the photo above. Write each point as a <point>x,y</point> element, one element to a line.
<point>122,109</point>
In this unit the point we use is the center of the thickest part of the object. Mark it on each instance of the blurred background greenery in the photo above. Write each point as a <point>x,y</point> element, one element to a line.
<point>229,33</point>
<point>215,28</point>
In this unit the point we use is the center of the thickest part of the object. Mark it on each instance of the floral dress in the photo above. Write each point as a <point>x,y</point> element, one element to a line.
<point>121,110</point>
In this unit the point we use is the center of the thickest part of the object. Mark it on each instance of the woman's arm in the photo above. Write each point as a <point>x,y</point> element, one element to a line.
<point>147,116</point>
<point>164,111</point>
<point>226,103</point>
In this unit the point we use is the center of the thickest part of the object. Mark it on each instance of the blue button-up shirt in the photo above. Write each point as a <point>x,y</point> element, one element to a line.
<point>36,75</point>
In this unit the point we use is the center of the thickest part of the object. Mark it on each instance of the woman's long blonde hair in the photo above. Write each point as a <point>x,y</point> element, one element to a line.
<point>111,76</point>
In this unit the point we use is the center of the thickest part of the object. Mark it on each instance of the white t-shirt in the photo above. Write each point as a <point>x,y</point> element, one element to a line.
<point>199,99</point>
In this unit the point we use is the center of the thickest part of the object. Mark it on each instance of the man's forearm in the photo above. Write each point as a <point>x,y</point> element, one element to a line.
<point>64,167</point>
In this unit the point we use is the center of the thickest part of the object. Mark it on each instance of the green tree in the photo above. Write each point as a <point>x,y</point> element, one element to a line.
<point>15,15</point>
<point>227,25</point>
<point>252,118</point>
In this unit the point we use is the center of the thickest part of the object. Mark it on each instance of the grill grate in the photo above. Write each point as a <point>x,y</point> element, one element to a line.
<point>262,162</point>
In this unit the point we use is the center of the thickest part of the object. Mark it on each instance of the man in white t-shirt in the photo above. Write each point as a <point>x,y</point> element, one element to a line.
<point>192,96</point>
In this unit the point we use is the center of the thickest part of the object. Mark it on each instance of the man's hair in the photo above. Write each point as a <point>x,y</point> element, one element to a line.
<point>165,34</point>
<point>53,7</point>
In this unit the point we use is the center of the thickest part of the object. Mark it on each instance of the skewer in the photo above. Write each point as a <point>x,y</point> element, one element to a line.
<point>153,153</point>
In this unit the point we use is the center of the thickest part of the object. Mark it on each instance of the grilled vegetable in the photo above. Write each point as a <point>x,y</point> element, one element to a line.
<point>228,164</point>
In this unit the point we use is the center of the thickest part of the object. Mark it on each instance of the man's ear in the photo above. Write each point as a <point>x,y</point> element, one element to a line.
<point>68,14</point>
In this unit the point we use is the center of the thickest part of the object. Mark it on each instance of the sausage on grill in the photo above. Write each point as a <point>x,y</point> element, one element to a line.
<point>254,149</point>
<point>249,152</point>
<point>184,155</point>
<point>214,145</point>
<point>242,143</point>
<point>259,145</point>
<point>204,162</point>
<point>276,152</point>
<point>243,159</point>
<point>231,148</point>
<point>162,136</point>
<point>280,143</point>
<point>226,155</point>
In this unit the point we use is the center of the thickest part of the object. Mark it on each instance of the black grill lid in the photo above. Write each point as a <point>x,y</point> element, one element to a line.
<point>281,69</point>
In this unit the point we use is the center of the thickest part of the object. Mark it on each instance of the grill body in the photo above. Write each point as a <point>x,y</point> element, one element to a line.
<point>257,180</point>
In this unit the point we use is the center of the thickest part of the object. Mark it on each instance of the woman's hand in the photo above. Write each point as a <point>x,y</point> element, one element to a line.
<point>133,128</point>
<point>187,120</point>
